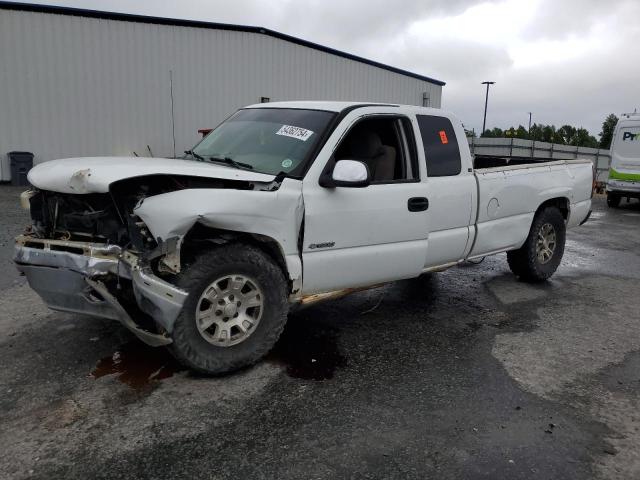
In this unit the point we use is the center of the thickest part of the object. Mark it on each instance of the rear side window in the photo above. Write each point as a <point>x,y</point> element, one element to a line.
<point>440,146</point>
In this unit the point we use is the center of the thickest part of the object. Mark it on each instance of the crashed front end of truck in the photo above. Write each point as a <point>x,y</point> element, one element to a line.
<point>202,252</point>
<point>92,253</point>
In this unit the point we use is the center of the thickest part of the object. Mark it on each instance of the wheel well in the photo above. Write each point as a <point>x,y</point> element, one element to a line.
<point>561,203</point>
<point>201,236</point>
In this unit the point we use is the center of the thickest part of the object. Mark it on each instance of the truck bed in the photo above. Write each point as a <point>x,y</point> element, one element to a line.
<point>509,195</point>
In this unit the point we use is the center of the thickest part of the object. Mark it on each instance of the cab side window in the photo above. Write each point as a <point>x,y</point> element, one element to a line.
<point>386,145</point>
<point>440,146</point>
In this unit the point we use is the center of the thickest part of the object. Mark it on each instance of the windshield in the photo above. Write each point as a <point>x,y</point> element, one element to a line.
<point>267,140</point>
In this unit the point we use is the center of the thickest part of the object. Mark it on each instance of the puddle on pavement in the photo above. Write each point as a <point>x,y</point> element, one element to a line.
<point>475,325</point>
<point>138,366</point>
<point>308,351</point>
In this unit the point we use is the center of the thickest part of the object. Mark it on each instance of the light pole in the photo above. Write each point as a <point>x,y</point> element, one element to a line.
<point>486,100</point>
<point>529,131</point>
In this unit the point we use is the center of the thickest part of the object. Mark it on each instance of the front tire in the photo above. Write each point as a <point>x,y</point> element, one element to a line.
<point>613,200</point>
<point>235,312</point>
<point>542,251</point>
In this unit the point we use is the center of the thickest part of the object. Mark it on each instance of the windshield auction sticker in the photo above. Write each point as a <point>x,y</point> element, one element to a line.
<point>295,132</point>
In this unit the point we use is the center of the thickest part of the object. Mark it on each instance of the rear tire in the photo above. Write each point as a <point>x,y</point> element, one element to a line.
<point>542,251</point>
<point>239,334</point>
<point>613,200</point>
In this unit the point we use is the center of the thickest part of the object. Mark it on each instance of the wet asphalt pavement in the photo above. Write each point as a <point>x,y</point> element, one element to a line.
<point>462,374</point>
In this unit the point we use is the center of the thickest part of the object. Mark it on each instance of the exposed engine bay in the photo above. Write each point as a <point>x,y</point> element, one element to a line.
<point>109,217</point>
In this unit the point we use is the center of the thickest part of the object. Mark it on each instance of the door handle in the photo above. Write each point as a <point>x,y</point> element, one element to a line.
<point>418,204</point>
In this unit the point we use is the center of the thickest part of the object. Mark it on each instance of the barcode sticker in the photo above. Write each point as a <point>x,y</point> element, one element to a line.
<point>295,132</point>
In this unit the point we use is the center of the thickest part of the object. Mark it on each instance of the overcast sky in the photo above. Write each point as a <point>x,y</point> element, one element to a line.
<point>567,61</point>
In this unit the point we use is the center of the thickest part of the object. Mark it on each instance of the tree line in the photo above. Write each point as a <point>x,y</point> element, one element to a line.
<point>565,135</point>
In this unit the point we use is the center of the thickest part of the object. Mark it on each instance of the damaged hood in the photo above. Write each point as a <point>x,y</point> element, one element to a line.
<point>96,174</point>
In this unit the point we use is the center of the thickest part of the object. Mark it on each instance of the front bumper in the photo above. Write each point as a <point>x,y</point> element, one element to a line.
<point>70,276</point>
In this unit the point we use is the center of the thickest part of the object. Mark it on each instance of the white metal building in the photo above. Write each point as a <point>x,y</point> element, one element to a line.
<point>84,83</point>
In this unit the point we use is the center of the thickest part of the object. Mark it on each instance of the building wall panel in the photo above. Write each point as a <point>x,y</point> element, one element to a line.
<point>77,86</point>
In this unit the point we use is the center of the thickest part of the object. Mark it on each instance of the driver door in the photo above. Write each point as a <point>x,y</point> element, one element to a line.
<point>356,237</point>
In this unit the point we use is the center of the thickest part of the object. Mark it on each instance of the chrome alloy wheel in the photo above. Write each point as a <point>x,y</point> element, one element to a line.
<point>229,310</point>
<point>546,244</point>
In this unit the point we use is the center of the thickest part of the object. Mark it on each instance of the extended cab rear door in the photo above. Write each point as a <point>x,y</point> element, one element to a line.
<point>363,236</point>
<point>451,187</point>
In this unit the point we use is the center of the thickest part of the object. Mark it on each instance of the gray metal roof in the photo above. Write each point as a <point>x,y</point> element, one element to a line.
<point>126,17</point>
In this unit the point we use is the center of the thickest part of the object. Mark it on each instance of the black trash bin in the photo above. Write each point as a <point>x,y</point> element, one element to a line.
<point>21,163</point>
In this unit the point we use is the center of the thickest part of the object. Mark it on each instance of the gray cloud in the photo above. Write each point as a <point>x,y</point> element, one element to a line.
<point>361,23</point>
<point>455,61</point>
<point>557,19</point>
<point>578,93</point>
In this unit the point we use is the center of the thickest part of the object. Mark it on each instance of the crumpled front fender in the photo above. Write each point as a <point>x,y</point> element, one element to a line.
<point>275,214</point>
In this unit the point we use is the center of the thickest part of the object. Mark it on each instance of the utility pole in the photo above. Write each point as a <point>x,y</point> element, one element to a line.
<point>529,124</point>
<point>486,100</point>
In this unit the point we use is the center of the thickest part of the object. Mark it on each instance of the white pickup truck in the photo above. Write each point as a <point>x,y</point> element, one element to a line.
<point>283,204</point>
